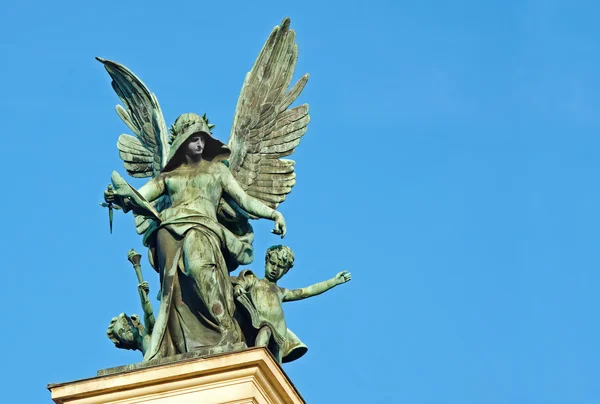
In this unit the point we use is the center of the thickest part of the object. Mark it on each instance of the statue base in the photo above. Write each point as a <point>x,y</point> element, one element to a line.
<point>200,353</point>
<point>248,376</point>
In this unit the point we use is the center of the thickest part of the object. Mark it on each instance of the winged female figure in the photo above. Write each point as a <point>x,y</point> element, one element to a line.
<point>194,210</point>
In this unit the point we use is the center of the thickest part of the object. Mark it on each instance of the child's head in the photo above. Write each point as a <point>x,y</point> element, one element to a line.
<point>278,261</point>
<point>126,331</point>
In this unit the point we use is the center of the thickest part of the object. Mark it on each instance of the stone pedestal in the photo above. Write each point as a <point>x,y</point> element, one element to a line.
<point>249,376</point>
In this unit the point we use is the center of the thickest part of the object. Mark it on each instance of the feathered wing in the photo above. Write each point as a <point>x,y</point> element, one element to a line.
<point>144,154</point>
<point>264,129</point>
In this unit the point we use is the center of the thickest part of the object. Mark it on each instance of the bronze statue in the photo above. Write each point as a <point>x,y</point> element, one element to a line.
<point>194,212</point>
<point>262,320</point>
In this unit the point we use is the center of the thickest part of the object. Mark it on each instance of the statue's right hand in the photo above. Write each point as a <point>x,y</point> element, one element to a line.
<point>238,291</point>
<point>143,287</point>
<point>109,194</point>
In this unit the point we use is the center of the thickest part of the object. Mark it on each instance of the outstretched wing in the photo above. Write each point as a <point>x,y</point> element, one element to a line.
<point>264,129</point>
<point>144,154</point>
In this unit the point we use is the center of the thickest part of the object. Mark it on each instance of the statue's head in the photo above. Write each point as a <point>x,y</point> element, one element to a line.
<point>191,135</point>
<point>126,332</point>
<point>278,261</point>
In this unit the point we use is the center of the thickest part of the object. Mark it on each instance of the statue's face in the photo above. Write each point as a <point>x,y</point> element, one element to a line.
<point>195,145</point>
<point>124,331</point>
<point>275,268</point>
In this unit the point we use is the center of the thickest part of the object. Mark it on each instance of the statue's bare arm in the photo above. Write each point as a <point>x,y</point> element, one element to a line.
<point>250,204</point>
<point>151,191</point>
<point>317,288</point>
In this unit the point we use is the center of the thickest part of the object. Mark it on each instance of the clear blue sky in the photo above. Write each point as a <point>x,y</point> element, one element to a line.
<point>451,165</point>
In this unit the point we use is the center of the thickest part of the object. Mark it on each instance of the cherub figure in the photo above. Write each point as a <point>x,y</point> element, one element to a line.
<point>129,332</point>
<point>262,300</point>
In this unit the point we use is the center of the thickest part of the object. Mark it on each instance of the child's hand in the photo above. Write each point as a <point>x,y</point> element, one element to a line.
<point>144,287</point>
<point>343,277</point>
<point>143,290</point>
<point>238,291</point>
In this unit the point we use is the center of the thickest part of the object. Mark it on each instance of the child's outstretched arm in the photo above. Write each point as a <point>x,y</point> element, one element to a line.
<point>317,288</point>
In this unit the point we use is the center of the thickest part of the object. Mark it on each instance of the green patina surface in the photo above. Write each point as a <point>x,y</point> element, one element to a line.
<point>195,213</point>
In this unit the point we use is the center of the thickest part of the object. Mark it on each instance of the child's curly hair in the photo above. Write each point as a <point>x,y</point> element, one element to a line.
<point>282,253</point>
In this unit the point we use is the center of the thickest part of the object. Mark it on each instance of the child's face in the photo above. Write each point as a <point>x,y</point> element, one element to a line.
<point>275,268</point>
<point>125,331</point>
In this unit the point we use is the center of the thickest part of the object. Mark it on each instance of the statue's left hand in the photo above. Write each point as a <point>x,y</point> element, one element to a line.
<point>279,225</point>
<point>343,277</point>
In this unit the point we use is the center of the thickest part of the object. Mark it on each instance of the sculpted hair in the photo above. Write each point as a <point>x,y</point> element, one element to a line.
<point>281,253</point>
